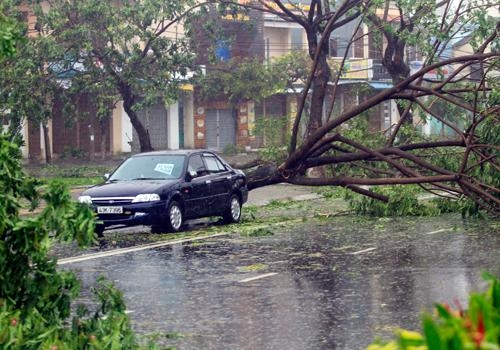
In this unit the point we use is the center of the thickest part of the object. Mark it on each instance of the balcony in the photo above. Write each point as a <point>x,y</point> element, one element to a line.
<point>379,71</point>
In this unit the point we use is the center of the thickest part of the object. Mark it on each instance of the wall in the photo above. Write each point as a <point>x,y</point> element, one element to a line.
<point>82,136</point>
<point>277,41</point>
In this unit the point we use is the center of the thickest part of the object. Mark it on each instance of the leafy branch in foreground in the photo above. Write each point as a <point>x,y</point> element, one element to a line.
<point>477,328</point>
<point>36,298</point>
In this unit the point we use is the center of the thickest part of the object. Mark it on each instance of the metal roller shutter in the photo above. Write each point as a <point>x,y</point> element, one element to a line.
<point>220,128</point>
<point>154,118</point>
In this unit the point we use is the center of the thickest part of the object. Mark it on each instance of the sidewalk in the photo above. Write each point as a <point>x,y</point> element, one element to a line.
<point>264,195</point>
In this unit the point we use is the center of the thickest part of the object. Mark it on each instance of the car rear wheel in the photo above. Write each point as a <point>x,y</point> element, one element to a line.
<point>233,212</point>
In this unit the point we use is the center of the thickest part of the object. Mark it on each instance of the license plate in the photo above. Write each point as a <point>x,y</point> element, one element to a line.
<point>110,210</point>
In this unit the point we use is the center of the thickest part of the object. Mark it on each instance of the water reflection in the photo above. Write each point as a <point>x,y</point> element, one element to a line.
<point>338,284</point>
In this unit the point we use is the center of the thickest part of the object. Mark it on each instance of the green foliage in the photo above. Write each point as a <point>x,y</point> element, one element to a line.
<point>477,328</point>
<point>271,129</point>
<point>464,206</point>
<point>253,268</point>
<point>484,23</point>
<point>273,154</point>
<point>100,49</point>
<point>35,298</point>
<point>10,31</point>
<point>358,130</point>
<point>260,232</point>
<point>27,92</point>
<point>231,150</point>
<point>251,79</point>
<point>71,171</point>
<point>403,201</point>
<point>330,192</point>
<point>489,133</point>
<point>238,80</point>
<point>292,67</point>
<point>75,181</point>
<point>73,152</point>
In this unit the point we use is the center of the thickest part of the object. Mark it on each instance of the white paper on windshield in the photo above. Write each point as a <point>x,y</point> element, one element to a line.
<point>164,168</point>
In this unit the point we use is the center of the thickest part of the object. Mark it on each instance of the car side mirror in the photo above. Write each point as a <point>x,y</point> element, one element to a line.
<point>106,176</point>
<point>191,175</point>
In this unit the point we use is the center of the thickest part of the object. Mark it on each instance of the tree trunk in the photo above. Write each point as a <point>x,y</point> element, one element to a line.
<point>142,132</point>
<point>394,62</point>
<point>46,140</point>
<point>103,123</point>
<point>264,175</point>
<point>319,85</point>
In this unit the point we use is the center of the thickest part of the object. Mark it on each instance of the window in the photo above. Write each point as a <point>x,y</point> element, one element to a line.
<point>296,39</point>
<point>213,164</point>
<point>375,45</point>
<point>333,47</point>
<point>151,167</point>
<point>358,44</point>
<point>196,164</point>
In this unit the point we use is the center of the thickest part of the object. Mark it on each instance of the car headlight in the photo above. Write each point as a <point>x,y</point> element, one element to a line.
<point>146,197</point>
<point>85,199</point>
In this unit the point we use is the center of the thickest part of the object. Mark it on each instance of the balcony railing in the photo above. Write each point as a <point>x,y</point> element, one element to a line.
<point>379,71</point>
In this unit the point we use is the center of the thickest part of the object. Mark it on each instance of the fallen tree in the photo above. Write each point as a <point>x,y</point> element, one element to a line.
<point>465,163</point>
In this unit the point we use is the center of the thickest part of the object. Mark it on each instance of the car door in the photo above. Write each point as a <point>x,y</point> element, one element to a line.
<point>196,191</point>
<point>220,183</point>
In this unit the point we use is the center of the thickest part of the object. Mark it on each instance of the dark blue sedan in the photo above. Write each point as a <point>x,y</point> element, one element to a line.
<point>163,189</point>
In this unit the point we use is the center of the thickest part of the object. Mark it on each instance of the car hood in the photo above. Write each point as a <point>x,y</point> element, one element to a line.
<point>128,188</point>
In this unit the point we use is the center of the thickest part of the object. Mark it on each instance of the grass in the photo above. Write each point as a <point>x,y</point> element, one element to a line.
<point>71,174</point>
<point>75,181</point>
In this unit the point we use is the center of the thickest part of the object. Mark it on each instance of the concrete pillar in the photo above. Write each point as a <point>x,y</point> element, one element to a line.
<point>173,126</point>
<point>122,131</point>
<point>25,147</point>
<point>188,119</point>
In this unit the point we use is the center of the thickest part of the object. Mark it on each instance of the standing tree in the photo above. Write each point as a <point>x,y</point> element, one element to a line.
<point>241,79</point>
<point>10,32</point>
<point>126,50</point>
<point>28,89</point>
<point>433,25</point>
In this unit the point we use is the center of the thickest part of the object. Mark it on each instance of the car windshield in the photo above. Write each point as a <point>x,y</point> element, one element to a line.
<point>151,167</point>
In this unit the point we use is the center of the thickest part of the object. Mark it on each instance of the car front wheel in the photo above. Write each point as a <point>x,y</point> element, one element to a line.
<point>233,212</point>
<point>175,217</point>
<point>99,230</point>
<point>173,222</point>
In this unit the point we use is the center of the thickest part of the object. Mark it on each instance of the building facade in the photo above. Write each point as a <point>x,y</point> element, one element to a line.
<point>191,122</point>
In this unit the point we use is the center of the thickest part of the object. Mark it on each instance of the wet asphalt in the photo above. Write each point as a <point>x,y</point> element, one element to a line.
<point>333,282</point>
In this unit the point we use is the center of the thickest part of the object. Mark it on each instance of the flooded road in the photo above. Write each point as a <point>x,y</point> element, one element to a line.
<point>315,283</point>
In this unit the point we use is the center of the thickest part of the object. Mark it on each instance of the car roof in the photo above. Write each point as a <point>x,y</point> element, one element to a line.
<point>182,152</point>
